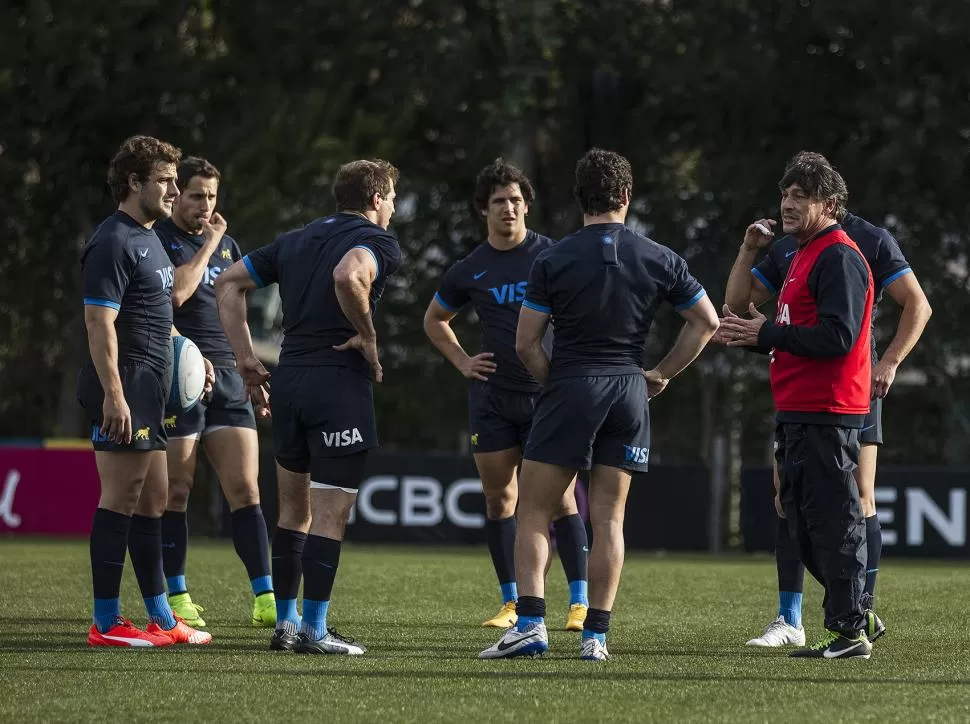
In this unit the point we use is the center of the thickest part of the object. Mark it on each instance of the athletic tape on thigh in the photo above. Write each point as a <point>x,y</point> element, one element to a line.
<point>325,486</point>
<point>213,428</point>
<point>193,436</point>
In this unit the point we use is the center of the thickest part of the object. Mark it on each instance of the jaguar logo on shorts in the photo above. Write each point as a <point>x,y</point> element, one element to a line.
<point>637,455</point>
<point>170,422</point>
<point>226,254</point>
<point>475,439</point>
<point>142,434</point>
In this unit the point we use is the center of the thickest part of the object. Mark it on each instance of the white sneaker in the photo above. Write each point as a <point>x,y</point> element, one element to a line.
<point>531,641</point>
<point>593,650</point>
<point>780,633</point>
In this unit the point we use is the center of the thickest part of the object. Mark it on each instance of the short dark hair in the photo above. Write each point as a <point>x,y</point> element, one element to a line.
<point>193,166</point>
<point>358,181</point>
<point>818,178</point>
<point>496,175</point>
<point>601,177</point>
<point>138,155</point>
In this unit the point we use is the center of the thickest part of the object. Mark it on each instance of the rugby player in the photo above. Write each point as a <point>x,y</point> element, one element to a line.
<point>195,240</point>
<point>602,285</point>
<point>124,385</point>
<point>331,274</point>
<point>502,393</point>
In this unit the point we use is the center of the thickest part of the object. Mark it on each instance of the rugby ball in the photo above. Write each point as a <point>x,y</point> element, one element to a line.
<point>188,374</point>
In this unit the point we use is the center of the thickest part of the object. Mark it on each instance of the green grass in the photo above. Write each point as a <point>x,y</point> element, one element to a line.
<point>677,644</point>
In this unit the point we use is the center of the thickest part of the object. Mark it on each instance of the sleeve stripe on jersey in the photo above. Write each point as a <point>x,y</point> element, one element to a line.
<point>95,302</point>
<point>252,271</point>
<point>443,304</point>
<point>893,277</point>
<point>536,307</point>
<point>370,251</point>
<point>761,278</point>
<point>692,301</point>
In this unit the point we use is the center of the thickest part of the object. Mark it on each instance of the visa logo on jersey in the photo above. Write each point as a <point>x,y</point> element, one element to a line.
<point>637,455</point>
<point>210,274</point>
<point>344,438</point>
<point>167,273</point>
<point>509,293</point>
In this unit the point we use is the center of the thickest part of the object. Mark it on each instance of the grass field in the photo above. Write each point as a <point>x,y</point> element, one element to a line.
<point>677,644</point>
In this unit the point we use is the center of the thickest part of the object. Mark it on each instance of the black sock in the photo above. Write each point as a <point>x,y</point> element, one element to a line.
<point>573,547</point>
<point>597,621</point>
<point>501,545</point>
<point>145,547</point>
<point>175,545</point>
<point>530,607</point>
<point>287,566</point>
<point>874,546</point>
<point>321,557</point>
<point>252,546</point>
<point>109,538</point>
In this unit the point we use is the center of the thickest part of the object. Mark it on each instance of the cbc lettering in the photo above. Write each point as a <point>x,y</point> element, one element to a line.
<point>421,501</point>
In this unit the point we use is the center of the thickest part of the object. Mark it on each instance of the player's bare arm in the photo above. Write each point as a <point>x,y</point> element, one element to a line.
<point>189,275</point>
<point>353,278</point>
<point>908,294</point>
<point>103,344</point>
<point>528,342</point>
<point>700,324</point>
<point>231,289</point>
<point>743,288</point>
<point>437,325</point>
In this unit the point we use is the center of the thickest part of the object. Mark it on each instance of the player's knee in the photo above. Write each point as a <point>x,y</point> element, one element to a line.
<point>241,493</point>
<point>500,503</point>
<point>178,494</point>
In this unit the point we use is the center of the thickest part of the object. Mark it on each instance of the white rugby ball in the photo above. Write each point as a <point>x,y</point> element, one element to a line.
<point>188,374</point>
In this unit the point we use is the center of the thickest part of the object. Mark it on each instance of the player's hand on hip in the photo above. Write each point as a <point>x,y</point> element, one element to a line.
<point>214,229</point>
<point>478,367</point>
<point>656,383</point>
<point>253,372</point>
<point>117,420</point>
<point>367,348</point>
<point>759,234</point>
<point>210,376</point>
<point>883,375</point>
<point>742,332</point>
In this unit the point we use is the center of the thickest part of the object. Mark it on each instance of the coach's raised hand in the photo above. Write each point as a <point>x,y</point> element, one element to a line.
<point>759,234</point>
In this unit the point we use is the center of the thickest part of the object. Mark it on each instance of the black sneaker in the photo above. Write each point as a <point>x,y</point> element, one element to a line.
<point>875,628</point>
<point>332,643</point>
<point>837,646</point>
<point>283,640</point>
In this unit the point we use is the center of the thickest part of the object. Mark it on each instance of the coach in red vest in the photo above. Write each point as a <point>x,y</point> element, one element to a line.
<point>820,381</point>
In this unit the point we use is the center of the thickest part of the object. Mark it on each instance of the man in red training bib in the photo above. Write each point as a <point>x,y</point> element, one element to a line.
<point>820,381</point>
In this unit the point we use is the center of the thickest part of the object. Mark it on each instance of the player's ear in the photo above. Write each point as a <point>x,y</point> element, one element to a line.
<point>134,183</point>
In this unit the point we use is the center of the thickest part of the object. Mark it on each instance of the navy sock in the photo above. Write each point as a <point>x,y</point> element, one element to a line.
<point>175,545</point>
<point>109,538</point>
<point>321,558</point>
<point>791,576</point>
<point>597,624</point>
<point>145,549</point>
<point>529,609</point>
<point>573,547</point>
<point>287,573</point>
<point>252,546</point>
<point>501,545</point>
<point>874,546</point>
